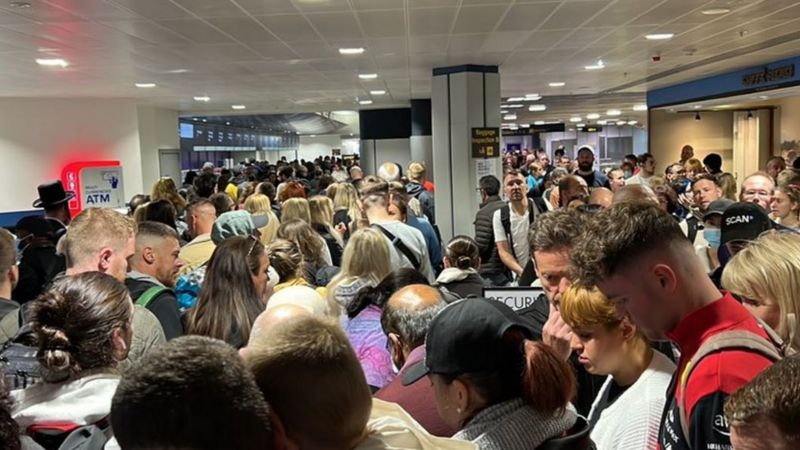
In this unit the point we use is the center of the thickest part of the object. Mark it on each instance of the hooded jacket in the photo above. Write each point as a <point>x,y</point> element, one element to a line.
<point>425,198</point>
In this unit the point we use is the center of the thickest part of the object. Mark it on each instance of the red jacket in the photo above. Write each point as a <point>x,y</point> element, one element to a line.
<point>715,377</point>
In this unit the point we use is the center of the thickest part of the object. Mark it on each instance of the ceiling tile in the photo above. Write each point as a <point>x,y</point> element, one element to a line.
<point>428,44</point>
<point>274,50</point>
<point>426,22</point>
<point>622,12</point>
<point>261,7</point>
<point>672,10</point>
<point>477,19</point>
<point>526,16</point>
<point>367,5</point>
<point>466,43</point>
<point>583,37</point>
<point>147,31</point>
<point>90,9</point>
<point>573,14</point>
<point>545,39</point>
<point>289,27</point>
<point>383,23</point>
<point>153,9</point>
<point>313,49</point>
<point>336,25</point>
<point>432,3</point>
<point>313,6</point>
<point>195,30</point>
<point>243,29</point>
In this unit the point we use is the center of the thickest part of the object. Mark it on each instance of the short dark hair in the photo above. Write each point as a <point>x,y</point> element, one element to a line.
<point>774,395</point>
<point>559,229</point>
<point>559,152</point>
<point>286,171</point>
<point>155,229</point>
<point>642,159</point>
<point>713,161</point>
<point>512,172</point>
<point>222,202</point>
<point>706,177</point>
<point>267,189</point>
<point>619,235</point>
<point>204,184</point>
<point>669,168</point>
<point>192,392</point>
<point>490,184</point>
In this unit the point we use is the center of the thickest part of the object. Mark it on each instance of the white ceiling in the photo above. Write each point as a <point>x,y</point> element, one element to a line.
<point>281,55</point>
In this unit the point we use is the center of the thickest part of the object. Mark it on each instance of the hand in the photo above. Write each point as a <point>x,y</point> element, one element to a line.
<point>557,334</point>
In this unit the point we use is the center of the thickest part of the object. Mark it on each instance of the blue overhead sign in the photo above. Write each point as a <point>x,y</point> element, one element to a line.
<point>774,75</point>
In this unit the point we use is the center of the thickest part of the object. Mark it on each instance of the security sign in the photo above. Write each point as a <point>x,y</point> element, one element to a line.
<point>485,142</point>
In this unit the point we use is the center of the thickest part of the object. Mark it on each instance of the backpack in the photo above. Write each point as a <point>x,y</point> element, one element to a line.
<point>88,437</point>
<point>773,348</point>
<point>187,288</point>
<point>693,225</point>
<point>399,245</point>
<point>505,219</point>
<point>149,295</point>
<point>18,360</point>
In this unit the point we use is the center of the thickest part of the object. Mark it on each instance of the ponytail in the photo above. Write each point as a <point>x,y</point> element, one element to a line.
<point>548,382</point>
<point>462,252</point>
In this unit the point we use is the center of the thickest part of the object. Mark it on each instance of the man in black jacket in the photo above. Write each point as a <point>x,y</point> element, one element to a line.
<point>154,270</point>
<point>492,268</point>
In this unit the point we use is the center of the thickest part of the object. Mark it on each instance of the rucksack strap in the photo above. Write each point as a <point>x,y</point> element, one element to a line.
<point>692,224</point>
<point>399,245</point>
<point>726,340</point>
<point>149,295</point>
<point>505,220</point>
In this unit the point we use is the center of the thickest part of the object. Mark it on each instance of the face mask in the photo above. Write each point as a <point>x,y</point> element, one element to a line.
<point>713,236</point>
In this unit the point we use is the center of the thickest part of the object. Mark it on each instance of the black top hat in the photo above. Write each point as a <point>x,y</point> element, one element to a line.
<point>51,194</point>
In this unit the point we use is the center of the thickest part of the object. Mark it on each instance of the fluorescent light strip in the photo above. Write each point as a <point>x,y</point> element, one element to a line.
<point>145,85</point>
<point>537,108</point>
<point>557,84</point>
<point>368,76</point>
<point>659,36</point>
<point>202,98</point>
<point>377,92</point>
<point>351,51</point>
<point>238,106</point>
<point>52,62</point>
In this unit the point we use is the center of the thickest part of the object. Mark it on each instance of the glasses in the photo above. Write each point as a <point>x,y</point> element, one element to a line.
<point>253,246</point>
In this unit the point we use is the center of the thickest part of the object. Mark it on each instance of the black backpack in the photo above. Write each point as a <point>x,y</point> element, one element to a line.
<point>18,357</point>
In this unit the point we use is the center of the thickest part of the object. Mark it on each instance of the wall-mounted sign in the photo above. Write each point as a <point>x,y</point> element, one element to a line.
<point>767,75</point>
<point>590,129</point>
<point>535,129</point>
<point>485,142</point>
<point>336,152</point>
<point>516,298</point>
<point>95,183</point>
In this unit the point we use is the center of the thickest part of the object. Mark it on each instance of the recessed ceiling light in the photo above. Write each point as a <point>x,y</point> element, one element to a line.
<point>763,97</point>
<point>510,117</point>
<point>537,108</point>
<point>195,119</point>
<point>641,107</point>
<point>351,51</point>
<point>593,116</point>
<point>621,122</point>
<point>368,76</point>
<point>632,122</point>
<point>145,85</point>
<point>202,98</point>
<point>524,125</point>
<point>539,122</point>
<point>602,122</point>
<point>532,97</point>
<point>312,135</point>
<point>178,71</point>
<point>557,84</point>
<point>659,36</point>
<point>575,119</point>
<point>238,106</point>
<point>613,112</point>
<point>697,106</point>
<point>377,92</point>
<point>596,66</point>
<point>19,5</point>
<point>227,123</point>
<point>725,106</point>
<point>52,62</point>
<point>580,125</point>
<point>503,111</point>
<point>715,11</point>
<point>205,120</point>
<point>516,99</point>
<point>365,102</point>
<point>515,105</point>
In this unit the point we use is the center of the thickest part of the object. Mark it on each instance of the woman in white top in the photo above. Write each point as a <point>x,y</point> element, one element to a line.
<point>627,411</point>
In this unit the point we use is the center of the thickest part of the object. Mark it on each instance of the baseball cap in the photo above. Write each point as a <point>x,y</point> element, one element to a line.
<point>718,207</point>
<point>585,148</point>
<point>744,222</point>
<point>466,337</point>
<point>236,223</point>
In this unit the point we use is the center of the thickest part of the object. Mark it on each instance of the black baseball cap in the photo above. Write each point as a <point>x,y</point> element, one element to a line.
<point>467,337</point>
<point>718,207</point>
<point>744,222</point>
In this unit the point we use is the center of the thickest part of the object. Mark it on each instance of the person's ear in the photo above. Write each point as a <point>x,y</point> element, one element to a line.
<point>627,328</point>
<point>281,440</point>
<point>445,262</point>
<point>148,255</point>
<point>120,343</point>
<point>462,396</point>
<point>665,277</point>
<point>104,259</point>
<point>396,349</point>
<point>13,275</point>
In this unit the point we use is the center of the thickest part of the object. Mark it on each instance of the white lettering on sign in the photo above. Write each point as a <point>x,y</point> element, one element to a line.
<point>518,298</point>
<point>738,219</point>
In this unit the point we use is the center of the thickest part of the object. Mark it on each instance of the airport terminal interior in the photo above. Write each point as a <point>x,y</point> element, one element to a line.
<point>400,224</point>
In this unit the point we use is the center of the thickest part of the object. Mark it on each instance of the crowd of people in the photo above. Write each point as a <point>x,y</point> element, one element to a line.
<point>308,305</point>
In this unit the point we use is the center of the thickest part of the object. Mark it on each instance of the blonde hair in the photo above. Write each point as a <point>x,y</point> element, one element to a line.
<point>296,208</point>
<point>347,198</point>
<point>321,208</point>
<point>165,189</point>
<point>582,307</point>
<point>769,268</point>
<point>94,229</point>
<point>309,361</point>
<point>366,255</point>
<point>259,204</point>
<point>727,182</point>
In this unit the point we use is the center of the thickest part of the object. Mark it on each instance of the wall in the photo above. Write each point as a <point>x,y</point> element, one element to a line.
<point>39,136</point>
<point>158,128</point>
<point>313,147</point>
<point>669,132</point>
<point>376,152</point>
<point>789,119</point>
